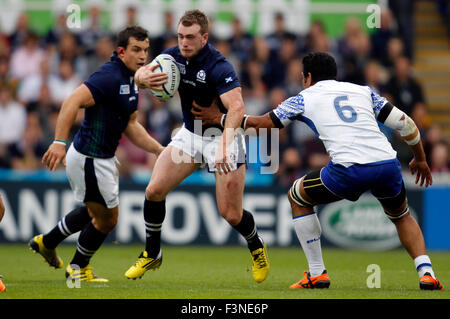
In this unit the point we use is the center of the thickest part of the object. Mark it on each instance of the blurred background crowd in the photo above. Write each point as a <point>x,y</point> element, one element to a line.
<point>37,72</point>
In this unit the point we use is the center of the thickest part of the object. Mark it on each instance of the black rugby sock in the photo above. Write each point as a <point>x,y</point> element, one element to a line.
<point>154,214</point>
<point>247,228</point>
<point>89,242</point>
<point>71,223</point>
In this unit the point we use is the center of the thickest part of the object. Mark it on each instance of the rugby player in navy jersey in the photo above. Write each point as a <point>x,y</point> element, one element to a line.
<point>205,76</point>
<point>110,100</point>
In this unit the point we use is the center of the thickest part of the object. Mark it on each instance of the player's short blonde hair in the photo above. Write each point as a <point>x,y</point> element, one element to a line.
<point>195,17</point>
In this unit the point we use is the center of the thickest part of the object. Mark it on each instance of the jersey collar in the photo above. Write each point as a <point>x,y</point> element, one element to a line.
<point>115,58</point>
<point>202,53</point>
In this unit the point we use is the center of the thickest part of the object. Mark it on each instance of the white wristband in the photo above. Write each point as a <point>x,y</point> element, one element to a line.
<point>60,142</point>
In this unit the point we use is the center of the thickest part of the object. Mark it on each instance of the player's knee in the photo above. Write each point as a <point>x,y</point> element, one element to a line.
<point>397,215</point>
<point>155,193</point>
<point>105,224</point>
<point>231,215</point>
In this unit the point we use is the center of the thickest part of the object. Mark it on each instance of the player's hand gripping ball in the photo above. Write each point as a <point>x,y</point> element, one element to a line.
<point>165,63</point>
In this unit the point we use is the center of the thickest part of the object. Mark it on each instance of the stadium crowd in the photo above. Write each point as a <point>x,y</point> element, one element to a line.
<point>38,72</point>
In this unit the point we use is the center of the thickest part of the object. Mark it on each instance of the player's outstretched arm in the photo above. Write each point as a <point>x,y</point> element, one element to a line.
<point>80,98</point>
<point>137,134</point>
<point>212,115</point>
<point>396,119</point>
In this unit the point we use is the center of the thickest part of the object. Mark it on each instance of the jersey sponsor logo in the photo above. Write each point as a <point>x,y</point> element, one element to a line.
<point>201,76</point>
<point>125,89</point>
<point>132,98</point>
<point>361,224</point>
<point>189,82</point>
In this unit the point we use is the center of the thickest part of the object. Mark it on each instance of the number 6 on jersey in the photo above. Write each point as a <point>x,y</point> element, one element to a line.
<point>340,109</point>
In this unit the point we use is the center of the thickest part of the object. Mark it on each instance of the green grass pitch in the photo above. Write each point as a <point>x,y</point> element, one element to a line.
<point>195,272</point>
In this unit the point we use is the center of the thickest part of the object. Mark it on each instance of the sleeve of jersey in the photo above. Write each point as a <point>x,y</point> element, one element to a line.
<point>224,77</point>
<point>102,86</point>
<point>378,102</point>
<point>288,110</point>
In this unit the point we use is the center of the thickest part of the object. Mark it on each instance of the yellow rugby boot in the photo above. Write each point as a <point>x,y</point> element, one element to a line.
<point>260,267</point>
<point>37,245</point>
<point>73,272</point>
<point>143,264</point>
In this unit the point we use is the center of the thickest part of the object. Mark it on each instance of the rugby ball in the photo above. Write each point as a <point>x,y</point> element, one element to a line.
<point>166,64</point>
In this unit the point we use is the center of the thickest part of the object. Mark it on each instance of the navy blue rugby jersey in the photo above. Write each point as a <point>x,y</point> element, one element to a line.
<point>116,98</point>
<point>203,78</point>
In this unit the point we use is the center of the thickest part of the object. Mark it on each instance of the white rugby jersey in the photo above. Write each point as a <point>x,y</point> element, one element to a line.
<point>343,115</point>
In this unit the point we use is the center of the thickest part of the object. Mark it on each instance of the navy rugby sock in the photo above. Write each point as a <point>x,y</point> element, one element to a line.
<point>154,214</point>
<point>247,228</point>
<point>89,242</point>
<point>71,223</point>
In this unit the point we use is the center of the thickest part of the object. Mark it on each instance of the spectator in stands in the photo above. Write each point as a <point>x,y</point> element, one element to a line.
<point>405,90</point>
<point>27,152</point>
<point>403,11</point>
<point>29,89</point>
<point>5,75</point>
<point>92,30</point>
<point>12,115</point>
<point>54,34</point>
<point>395,49</point>
<point>381,36</point>
<point>64,83</point>
<point>291,168</point>
<point>131,19</point>
<point>354,50</point>
<point>224,47</point>
<point>280,32</point>
<point>317,40</point>
<point>373,76</point>
<point>421,117</point>
<point>158,44</point>
<point>439,158</point>
<point>241,41</point>
<point>21,32</point>
<point>44,108</point>
<point>69,50</point>
<point>292,82</point>
<point>26,60</point>
<point>431,138</point>
<point>103,50</point>
<point>5,47</point>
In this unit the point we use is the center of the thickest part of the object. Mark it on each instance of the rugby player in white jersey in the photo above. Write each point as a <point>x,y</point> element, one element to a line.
<point>344,116</point>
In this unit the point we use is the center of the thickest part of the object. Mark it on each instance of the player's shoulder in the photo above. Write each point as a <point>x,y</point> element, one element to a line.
<point>215,59</point>
<point>106,76</point>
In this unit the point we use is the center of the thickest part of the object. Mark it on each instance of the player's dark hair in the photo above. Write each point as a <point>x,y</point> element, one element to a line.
<point>123,37</point>
<point>195,17</point>
<point>321,65</point>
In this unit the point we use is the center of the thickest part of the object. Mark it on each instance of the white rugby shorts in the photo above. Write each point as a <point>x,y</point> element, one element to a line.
<point>203,148</point>
<point>93,179</point>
